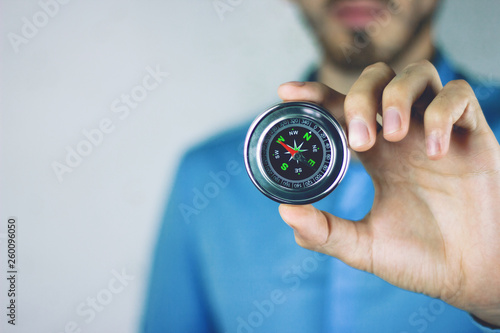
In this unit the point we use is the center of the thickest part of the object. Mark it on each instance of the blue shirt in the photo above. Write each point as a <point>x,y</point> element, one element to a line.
<point>226,262</point>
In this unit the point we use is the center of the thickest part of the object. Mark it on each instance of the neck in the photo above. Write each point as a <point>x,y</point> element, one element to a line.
<point>342,78</point>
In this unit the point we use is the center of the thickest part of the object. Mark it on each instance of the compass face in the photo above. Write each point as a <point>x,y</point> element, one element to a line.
<point>296,153</point>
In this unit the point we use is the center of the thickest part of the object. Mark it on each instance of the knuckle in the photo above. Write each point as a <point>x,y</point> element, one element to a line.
<point>355,101</point>
<point>444,97</point>
<point>460,86</point>
<point>377,67</point>
<point>411,68</point>
<point>438,118</point>
<point>395,91</point>
<point>458,92</point>
<point>423,65</point>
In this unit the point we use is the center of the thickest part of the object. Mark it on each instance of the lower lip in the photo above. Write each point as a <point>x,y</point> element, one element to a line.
<point>357,14</point>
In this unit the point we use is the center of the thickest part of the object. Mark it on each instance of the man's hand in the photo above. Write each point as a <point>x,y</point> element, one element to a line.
<point>434,226</point>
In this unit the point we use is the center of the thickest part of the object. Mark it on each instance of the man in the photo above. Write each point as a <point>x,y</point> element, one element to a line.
<point>425,189</point>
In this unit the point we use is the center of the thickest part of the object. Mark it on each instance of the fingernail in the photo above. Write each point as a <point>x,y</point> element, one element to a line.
<point>434,144</point>
<point>392,121</point>
<point>358,133</point>
<point>297,83</point>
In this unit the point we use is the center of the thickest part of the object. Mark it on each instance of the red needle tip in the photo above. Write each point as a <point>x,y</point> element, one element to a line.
<point>290,150</point>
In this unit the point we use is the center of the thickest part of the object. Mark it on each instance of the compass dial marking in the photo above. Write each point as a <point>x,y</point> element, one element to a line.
<point>312,154</point>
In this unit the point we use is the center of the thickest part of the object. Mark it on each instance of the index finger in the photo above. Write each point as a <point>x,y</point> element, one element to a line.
<point>314,92</point>
<point>417,80</point>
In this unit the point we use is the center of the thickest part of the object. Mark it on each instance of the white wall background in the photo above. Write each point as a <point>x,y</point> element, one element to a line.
<point>102,217</point>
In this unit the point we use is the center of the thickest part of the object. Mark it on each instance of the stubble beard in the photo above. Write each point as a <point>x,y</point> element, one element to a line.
<point>362,52</point>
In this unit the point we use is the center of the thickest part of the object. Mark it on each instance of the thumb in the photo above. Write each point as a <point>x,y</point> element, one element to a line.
<point>322,232</point>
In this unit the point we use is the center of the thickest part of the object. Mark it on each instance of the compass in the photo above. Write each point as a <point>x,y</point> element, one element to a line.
<point>296,153</point>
